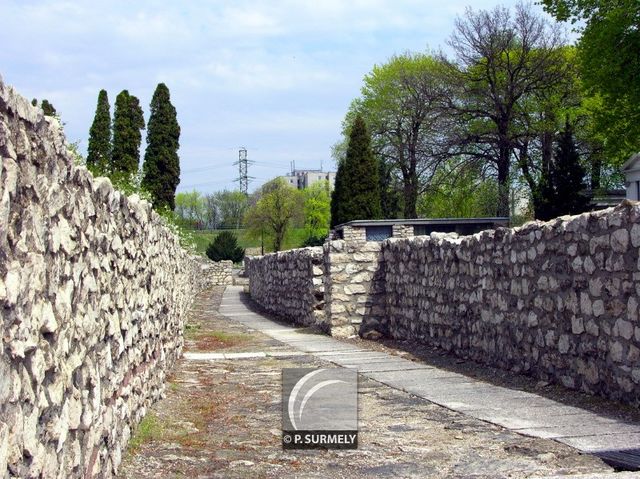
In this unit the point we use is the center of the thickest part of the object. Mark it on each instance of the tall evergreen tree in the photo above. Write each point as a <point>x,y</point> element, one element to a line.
<point>357,190</point>
<point>337,195</point>
<point>99,149</point>
<point>161,162</point>
<point>569,176</point>
<point>544,197</point>
<point>128,121</point>
<point>391,200</point>
<point>560,190</point>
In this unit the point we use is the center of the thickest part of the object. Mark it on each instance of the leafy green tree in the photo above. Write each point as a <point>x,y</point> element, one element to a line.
<point>47,107</point>
<point>275,208</point>
<point>540,117</point>
<point>99,149</point>
<point>501,61</point>
<point>609,57</point>
<point>232,206</point>
<point>190,207</point>
<point>459,191</point>
<point>317,212</point>
<point>356,195</point>
<point>211,214</point>
<point>161,168</point>
<point>401,102</point>
<point>128,121</point>
<point>225,247</point>
<point>222,209</point>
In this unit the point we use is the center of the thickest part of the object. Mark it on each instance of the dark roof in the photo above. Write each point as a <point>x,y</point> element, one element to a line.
<point>498,220</point>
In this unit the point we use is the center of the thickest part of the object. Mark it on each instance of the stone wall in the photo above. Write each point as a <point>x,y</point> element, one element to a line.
<point>354,287</point>
<point>217,273</point>
<point>353,234</point>
<point>556,300</point>
<point>93,291</point>
<point>289,284</point>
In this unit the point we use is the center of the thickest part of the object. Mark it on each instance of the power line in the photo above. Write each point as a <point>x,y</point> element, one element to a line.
<point>206,183</point>
<point>261,164</point>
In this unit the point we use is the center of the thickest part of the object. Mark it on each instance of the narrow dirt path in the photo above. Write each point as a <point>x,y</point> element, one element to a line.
<point>222,419</point>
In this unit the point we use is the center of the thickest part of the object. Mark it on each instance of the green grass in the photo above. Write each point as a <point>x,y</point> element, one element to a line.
<point>294,239</point>
<point>149,429</point>
<point>225,337</point>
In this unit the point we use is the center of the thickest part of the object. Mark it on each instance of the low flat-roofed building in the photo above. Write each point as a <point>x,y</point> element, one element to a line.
<point>379,230</point>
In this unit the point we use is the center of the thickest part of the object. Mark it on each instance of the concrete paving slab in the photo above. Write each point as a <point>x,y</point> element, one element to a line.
<point>349,356</point>
<point>533,409</point>
<point>603,442</point>
<point>468,401</point>
<point>203,356</point>
<point>195,356</point>
<point>612,475</point>
<point>518,420</point>
<point>363,361</point>
<point>427,388</point>
<point>577,430</point>
<point>521,411</point>
<point>388,367</point>
<point>417,376</point>
<point>313,347</point>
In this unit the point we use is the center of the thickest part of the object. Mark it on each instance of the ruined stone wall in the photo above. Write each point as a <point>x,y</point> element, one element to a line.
<point>289,284</point>
<point>216,273</point>
<point>557,300</point>
<point>354,287</point>
<point>93,290</point>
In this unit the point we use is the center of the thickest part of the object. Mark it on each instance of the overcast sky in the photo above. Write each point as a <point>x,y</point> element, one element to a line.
<point>274,76</point>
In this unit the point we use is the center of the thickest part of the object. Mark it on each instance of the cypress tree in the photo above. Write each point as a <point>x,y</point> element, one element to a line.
<point>336,196</point>
<point>569,176</point>
<point>161,167</point>
<point>544,197</point>
<point>99,149</point>
<point>128,120</point>
<point>560,190</point>
<point>357,191</point>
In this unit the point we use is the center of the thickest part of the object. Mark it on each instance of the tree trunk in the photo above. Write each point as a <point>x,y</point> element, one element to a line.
<point>503,179</point>
<point>410,198</point>
<point>596,171</point>
<point>411,182</point>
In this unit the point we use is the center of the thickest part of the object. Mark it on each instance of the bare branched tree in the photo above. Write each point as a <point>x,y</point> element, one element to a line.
<point>502,61</point>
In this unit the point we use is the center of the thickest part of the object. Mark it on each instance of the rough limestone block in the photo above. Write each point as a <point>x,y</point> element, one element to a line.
<point>76,254</point>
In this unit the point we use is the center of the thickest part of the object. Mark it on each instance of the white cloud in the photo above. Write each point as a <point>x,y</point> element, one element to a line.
<point>276,76</point>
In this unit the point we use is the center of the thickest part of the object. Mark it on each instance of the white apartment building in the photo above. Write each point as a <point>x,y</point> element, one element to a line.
<point>302,179</point>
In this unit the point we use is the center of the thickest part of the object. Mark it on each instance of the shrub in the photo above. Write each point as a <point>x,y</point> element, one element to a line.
<point>225,247</point>
<point>314,241</point>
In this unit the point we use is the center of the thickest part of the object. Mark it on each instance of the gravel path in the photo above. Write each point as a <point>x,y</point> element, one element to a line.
<point>221,418</point>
